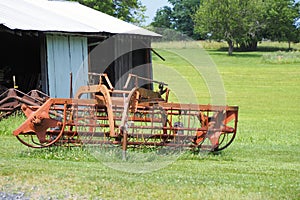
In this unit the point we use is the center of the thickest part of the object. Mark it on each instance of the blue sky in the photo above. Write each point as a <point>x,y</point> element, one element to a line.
<point>152,6</point>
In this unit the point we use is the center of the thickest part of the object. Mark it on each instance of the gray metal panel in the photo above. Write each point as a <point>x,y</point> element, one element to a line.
<point>66,54</point>
<point>62,16</point>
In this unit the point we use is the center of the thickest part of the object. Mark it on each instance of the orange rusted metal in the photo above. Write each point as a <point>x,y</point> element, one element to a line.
<point>127,118</point>
<point>12,99</point>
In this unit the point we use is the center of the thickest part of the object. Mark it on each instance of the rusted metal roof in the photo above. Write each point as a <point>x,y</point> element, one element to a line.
<point>62,16</point>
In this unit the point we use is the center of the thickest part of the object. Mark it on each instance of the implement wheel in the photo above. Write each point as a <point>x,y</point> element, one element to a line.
<point>225,140</point>
<point>45,125</point>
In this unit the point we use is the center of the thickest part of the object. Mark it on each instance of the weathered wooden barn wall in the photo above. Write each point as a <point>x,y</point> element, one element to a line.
<point>66,54</point>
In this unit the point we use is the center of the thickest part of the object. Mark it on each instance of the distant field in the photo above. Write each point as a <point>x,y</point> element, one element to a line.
<point>213,45</point>
<point>262,163</point>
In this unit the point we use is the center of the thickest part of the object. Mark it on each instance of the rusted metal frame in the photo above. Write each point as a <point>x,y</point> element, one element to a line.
<point>4,94</point>
<point>189,120</point>
<point>11,109</point>
<point>101,142</point>
<point>44,111</point>
<point>130,143</point>
<point>62,101</point>
<point>196,107</point>
<point>57,132</point>
<point>124,120</point>
<point>236,120</point>
<point>121,91</point>
<point>19,99</point>
<point>171,121</point>
<point>144,119</point>
<point>225,130</point>
<point>100,75</point>
<point>108,81</point>
<point>108,102</point>
<point>152,115</point>
<point>87,90</point>
<point>132,106</point>
<point>160,144</point>
<point>38,95</point>
<point>142,78</point>
<point>232,111</point>
<point>76,124</point>
<point>12,92</point>
<point>126,109</point>
<point>160,136</point>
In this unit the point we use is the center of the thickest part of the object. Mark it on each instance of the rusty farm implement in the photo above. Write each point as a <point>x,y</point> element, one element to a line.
<point>12,99</point>
<point>102,115</point>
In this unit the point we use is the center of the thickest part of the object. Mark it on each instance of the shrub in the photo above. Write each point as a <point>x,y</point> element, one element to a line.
<point>281,57</point>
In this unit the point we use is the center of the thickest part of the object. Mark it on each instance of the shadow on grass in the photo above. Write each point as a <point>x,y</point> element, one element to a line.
<point>240,53</point>
<point>235,54</point>
<point>258,49</point>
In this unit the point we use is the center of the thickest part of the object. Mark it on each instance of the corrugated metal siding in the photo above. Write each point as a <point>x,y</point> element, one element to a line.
<point>66,54</point>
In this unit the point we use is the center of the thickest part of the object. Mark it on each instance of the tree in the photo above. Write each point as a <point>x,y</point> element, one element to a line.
<point>281,17</point>
<point>245,22</point>
<point>235,21</point>
<point>130,10</point>
<point>163,18</point>
<point>183,10</point>
<point>178,16</point>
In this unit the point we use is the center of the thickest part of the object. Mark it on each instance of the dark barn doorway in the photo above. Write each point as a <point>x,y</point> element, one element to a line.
<point>20,58</point>
<point>121,55</point>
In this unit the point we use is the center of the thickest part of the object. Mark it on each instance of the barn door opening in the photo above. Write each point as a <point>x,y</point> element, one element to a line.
<point>20,61</point>
<point>120,55</point>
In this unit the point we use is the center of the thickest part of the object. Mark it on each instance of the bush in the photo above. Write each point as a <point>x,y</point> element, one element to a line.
<point>281,57</point>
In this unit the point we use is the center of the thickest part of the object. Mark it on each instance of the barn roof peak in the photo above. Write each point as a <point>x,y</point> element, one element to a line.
<point>62,16</point>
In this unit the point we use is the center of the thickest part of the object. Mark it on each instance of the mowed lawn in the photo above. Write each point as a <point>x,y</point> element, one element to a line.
<point>262,163</point>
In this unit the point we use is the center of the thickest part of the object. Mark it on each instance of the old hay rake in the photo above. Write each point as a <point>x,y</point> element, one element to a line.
<point>127,118</point>
<point>12,99</point>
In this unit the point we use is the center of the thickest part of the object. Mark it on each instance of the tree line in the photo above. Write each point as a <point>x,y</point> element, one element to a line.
<point>241,23</point>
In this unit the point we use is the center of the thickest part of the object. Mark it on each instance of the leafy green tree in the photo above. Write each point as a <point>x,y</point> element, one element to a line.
<point>178,16</point>
<point>130,10</point>
<point>251,24</point>
<point>235,21</point>
<point>281,16</point>
<point>163,18</point>
<point>183,10</point>
<point>245,22</point>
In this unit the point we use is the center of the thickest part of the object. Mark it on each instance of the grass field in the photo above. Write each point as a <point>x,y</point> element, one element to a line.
<point>262,163</point>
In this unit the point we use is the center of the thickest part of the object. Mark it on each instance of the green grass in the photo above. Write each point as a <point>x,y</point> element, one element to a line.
<point>262,163</point>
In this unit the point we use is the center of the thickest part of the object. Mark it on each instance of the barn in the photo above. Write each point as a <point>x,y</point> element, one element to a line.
<point>43,42</point>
